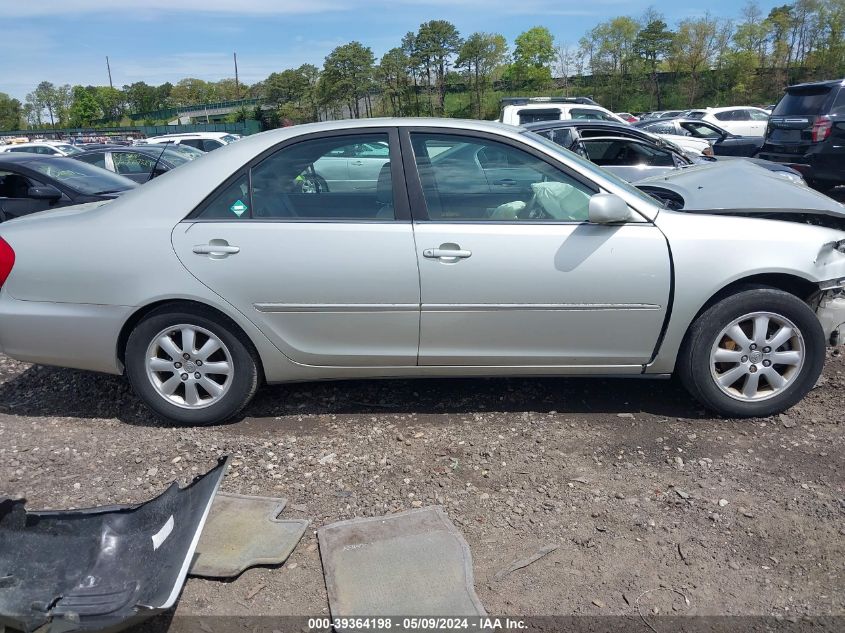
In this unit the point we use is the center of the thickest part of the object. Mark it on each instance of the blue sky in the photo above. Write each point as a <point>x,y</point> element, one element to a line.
<point>66,41</point>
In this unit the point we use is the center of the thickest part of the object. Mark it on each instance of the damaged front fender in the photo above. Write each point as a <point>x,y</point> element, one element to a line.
<point>82,570</point>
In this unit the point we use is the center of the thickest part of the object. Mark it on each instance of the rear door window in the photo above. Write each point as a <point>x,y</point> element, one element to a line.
<point>808,101</point>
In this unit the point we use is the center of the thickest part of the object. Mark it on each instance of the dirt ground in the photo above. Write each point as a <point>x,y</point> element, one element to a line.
<point>641,489</point>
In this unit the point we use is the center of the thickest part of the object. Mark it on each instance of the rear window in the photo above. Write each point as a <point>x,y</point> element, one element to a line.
<point>809,101</point>
<point>534,115</point>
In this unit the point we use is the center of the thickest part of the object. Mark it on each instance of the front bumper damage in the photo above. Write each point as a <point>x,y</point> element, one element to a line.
<point>106,567</point>
<point>831,314</point>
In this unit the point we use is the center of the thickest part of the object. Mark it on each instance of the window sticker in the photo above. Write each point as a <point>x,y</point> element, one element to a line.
<point>238,208</point>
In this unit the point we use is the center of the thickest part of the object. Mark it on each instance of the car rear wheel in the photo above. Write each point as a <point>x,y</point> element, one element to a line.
<point>190,367</point>
<point>754,353</point>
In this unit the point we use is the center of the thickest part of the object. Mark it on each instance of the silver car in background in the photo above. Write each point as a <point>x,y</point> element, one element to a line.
<point>480,249</point>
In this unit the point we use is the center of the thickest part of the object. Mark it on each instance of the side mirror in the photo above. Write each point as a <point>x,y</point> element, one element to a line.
<point>43,192</point>
<point>608,208</point>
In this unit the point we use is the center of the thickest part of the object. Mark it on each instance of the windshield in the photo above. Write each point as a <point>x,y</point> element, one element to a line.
<point>177,158</point>
<point>803,101</point>
<point>82,177</point>
<point>228,138</point>
<point>591,168</point>
<point>185,150</point>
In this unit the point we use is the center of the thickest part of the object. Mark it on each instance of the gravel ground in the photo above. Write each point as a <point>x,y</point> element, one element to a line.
<point>639,487</point>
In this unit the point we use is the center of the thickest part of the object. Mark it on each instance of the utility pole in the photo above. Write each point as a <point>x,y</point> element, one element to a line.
<point>237,86</point>
<point>111,85</point>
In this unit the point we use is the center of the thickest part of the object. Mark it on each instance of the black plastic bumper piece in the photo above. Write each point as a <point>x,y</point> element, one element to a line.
<point>97,568</point>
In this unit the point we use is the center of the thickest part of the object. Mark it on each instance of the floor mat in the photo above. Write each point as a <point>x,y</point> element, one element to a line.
<point>242,532</point>
<point>412,563</point>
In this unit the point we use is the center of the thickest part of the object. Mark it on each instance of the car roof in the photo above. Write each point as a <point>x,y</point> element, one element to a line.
<point>549,125</point>
<point>22,157</point>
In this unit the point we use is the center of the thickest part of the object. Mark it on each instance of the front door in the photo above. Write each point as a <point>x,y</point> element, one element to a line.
<point>329,276</point>
<point>517,276</point>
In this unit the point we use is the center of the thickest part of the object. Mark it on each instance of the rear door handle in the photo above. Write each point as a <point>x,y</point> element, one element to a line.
<point>216,249</point>
<point>506,182</point>
<point>437,253</point>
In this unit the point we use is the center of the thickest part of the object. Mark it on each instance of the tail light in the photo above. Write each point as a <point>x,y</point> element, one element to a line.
<point>822,128</point>
<point>7,260</point>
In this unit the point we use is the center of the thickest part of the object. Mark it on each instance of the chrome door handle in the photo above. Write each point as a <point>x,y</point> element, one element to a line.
<point>436,253</point>
<point>216,249</point>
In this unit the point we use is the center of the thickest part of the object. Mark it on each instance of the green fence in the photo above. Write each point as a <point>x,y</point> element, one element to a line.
<point>243,127</point>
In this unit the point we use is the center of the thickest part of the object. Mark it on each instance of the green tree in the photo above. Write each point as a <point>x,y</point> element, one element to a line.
<point>141,97</point>
<point>479,56</point>
<point>191,91</point>
<point>347,77</point>
<point>437,42</point>
<point>392,75</point>
<point>653,43</point>
<point>84,109</point>
<point>11,112</point>
<point>694,49</point>
<point>44,98</point>
<point>226,90</point>
<point>111,102</point>
<point>534,51</point>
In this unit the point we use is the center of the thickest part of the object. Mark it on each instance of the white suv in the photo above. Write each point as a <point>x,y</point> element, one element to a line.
<point>205,141</point>
<point>739,120</point>
<point>518,111</point>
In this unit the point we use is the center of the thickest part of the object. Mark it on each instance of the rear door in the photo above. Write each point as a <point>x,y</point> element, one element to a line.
<point>329,276</point>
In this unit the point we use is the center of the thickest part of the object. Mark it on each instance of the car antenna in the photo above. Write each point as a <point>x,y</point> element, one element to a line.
<point>155,164</point>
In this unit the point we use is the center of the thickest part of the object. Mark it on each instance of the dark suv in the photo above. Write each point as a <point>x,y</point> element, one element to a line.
<point>807,130</point>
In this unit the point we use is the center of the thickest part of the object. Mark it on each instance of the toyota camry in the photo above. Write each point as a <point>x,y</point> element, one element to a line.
<point>478,250</point>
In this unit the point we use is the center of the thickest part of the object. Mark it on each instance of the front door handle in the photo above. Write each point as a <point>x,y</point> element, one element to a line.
<point>506,182</point>
<point>446,253</point>
<point>216,249</point>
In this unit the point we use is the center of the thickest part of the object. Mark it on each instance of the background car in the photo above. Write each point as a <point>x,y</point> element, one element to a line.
<point>740,120</point>
<point>687,144</point>
<point>627,116</point>
<point>522,111</point>
<point>140,163</point>
<point>31,183</point>
<point>807,130</point>
<point>723,142</point>
<point>206,283</point>
<point>45,148</point>
<point>623,150</point>
<point>205,141</point>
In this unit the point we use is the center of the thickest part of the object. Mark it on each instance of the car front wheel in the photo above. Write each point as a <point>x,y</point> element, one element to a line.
<point>190,367</point>
<point>754,353</point>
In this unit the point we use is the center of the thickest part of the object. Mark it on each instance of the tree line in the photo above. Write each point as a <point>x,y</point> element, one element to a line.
<point>625,63</point>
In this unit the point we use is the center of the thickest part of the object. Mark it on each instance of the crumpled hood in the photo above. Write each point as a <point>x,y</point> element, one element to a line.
<point>741,186</point>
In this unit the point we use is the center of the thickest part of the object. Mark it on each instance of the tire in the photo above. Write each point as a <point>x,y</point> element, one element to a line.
<point>734,394</point>
<point>313,184</point>
<point>165,383</point>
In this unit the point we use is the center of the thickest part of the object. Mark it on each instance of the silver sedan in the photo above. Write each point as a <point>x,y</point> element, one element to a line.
<point>481,250</point>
